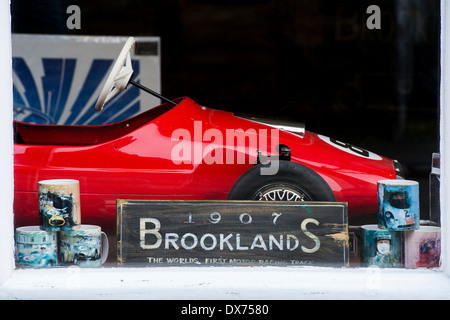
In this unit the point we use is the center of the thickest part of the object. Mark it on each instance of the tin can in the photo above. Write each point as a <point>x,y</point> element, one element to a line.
<point>85,247</point>
<point>35,248</point>
<point>380,247</point>
<point>59,204</point>
<point>423,248</point>
<point>398,205</point>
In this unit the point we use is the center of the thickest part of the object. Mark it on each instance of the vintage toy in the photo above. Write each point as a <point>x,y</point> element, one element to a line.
<point>181,150</point>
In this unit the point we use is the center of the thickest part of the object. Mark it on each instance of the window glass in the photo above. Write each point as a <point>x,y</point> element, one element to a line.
<point>357,81</point>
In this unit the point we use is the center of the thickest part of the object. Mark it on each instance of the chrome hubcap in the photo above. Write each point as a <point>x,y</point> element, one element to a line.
<point>280,194</point>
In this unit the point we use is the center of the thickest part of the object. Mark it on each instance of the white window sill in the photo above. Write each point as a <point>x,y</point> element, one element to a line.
<point>226,283</point>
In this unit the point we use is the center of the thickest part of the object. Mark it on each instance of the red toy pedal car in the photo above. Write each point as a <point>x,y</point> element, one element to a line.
<point>181,150</point>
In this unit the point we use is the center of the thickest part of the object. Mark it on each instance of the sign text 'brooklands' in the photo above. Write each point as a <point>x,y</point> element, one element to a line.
<point>221,241</point>
<point>152,232</point>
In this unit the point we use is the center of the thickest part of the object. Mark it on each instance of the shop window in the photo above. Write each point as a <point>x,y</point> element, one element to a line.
<point>345,93</point>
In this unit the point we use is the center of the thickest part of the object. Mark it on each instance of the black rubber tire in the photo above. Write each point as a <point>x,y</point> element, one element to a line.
<point>289,174</point>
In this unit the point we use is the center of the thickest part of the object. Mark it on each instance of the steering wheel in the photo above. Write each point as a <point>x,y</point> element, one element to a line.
<point>119,76</point>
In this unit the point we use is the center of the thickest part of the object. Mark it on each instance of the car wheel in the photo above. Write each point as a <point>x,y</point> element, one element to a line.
<point>291,182</point>
<point>281,192</point>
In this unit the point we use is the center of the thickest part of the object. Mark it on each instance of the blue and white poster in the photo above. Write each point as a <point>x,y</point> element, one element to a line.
<point>57,79</point>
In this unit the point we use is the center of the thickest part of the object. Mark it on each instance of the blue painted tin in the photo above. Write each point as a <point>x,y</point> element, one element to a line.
<point>380,247</point>
<point>398,205</point>
<point>35,248</point>
<point>85,247</point>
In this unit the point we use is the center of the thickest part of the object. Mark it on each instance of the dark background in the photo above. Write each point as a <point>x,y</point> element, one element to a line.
<point>312,61</point>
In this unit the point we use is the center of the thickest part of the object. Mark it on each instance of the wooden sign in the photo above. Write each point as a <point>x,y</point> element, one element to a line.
<point>239,233</point>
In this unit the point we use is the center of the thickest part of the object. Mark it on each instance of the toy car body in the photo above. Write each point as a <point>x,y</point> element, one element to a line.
<point>181,150</point>
<point>134,159</point>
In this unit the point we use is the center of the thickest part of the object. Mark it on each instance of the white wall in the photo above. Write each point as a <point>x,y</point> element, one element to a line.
<point>6,153</point>
<point>445,133</point>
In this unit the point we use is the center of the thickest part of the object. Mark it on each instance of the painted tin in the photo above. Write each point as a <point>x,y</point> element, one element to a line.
<point>59,204</point>
<point>398,205</point>
<point>35,248</point>
<point>87,246</point>
<point>423,248</point>
<point>380,247</point>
